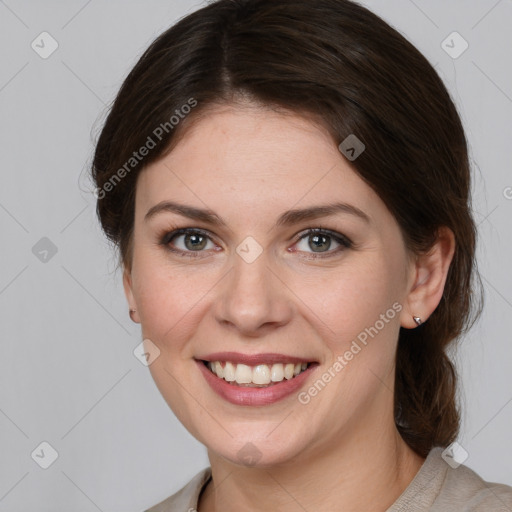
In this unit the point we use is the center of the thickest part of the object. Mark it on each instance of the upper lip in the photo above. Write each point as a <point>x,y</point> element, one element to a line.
<point>253,359</point>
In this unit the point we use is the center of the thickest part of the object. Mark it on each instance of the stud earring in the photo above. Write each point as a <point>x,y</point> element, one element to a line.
<point>417,319</point>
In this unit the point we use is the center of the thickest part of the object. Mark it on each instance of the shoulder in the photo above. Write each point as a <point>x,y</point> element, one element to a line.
<point>462,486</point>
<point>443,487</point>
<point>186,498</point>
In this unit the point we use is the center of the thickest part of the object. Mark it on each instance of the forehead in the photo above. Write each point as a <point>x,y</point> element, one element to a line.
<point>254,160</point>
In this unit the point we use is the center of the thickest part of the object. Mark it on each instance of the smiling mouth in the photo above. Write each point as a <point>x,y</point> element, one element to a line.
<point>259,376</point>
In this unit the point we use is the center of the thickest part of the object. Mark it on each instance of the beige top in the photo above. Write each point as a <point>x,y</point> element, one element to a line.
<point>437,487</point>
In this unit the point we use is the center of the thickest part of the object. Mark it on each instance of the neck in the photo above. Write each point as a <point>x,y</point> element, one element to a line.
<point>369,468</point>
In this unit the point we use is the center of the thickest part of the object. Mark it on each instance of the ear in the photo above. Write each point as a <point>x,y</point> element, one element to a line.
<point>429,274</point>
<point>128,291</point>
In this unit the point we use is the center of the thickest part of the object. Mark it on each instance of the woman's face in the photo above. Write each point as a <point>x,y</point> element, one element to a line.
<point>252,285</point>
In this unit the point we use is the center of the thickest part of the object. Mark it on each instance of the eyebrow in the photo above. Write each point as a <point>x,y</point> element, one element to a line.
<point>288,218</point>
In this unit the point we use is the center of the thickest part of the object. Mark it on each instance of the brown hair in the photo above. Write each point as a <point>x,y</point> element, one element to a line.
<point>343,66</point>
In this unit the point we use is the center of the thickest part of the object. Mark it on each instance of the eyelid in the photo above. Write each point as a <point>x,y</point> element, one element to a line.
<point>174,232</point>
<point>169,234</point>
<point>333,234</point>
<point>343,241</point>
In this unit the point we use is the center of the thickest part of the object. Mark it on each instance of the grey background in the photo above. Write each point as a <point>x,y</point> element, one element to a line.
<point>68,375</point>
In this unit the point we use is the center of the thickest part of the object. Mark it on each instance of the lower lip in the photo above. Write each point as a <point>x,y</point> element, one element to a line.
<point>242,395</point>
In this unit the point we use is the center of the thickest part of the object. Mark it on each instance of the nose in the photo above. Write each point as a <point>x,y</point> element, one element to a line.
<point>253,299</point>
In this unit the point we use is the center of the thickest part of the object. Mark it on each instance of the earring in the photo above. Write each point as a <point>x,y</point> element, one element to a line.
<point>131,313</point>
<point>417,319</point>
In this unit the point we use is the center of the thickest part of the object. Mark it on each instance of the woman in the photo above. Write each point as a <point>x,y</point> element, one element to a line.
<point>289,188</point>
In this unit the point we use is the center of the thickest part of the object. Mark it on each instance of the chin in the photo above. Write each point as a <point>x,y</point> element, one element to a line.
<point>255,451</point>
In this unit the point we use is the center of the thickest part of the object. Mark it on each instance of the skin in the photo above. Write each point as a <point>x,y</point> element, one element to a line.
<point>249,165</point>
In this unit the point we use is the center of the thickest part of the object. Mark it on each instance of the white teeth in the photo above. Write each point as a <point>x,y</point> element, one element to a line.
<point>229,372</point>
<point>288,371</point>
<point>243,374</point>
<point>261,374</point>
<point>277,372</point>
<point>218,369</point>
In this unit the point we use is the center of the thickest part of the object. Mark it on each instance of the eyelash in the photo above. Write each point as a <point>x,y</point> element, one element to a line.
<point>344,242</point>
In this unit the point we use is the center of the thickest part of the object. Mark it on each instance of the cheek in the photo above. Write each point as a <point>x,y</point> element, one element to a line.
<point>163,298</point>
<point>345,301</point>
<point>171,299</point>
